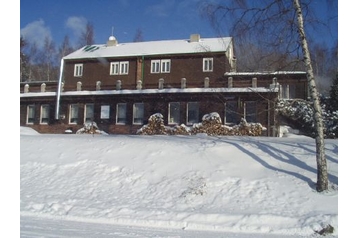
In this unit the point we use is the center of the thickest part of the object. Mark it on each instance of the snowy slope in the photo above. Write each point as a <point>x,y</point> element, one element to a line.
<point>253,186</point>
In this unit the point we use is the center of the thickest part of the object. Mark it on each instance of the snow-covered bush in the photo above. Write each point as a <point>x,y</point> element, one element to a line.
<point>299,114</point>
<point>90,128</point>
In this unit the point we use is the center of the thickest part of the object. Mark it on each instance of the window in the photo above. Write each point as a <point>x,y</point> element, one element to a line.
<point>155,66</point>
<point>231,112</point>
<point>138,113</point>
<point>250,111</point>
<point>288,91</point>
<point>124,66</point>
<point>114,70</point>
<point>208,64</point>
<point>89,112</point>
<point>105,109</point>
<point>73,118</point>
<point>78,70</point>
<point>45,114</point>
<point>165,66</point>
<point>30,114</point>
<point>119,68</point>
<point>160,66</point>
<point>121,116</point>
<point>192,113</point>
<point>174,113</point>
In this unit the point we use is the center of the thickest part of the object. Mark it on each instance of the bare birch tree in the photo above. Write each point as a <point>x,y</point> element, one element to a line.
<point>322,174</point>
<point>87,36</point>
<point>275,28</point>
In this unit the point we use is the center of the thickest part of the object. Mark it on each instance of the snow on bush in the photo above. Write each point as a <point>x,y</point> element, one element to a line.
<point>299,114</point>
<point>211,125</point>
<point>90,128</point>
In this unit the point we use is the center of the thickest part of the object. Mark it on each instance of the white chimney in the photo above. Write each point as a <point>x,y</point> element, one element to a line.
<point>112,41</point>
<point>194,38</point>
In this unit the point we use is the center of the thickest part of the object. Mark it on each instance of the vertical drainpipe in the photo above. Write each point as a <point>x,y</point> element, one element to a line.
<point>142,69</point>
<point>59,87</point>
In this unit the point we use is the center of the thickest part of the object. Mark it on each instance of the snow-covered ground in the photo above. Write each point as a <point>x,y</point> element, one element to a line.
<point>173,186</point>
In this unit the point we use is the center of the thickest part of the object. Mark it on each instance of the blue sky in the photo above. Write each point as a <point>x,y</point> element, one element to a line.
<point>157,19</point>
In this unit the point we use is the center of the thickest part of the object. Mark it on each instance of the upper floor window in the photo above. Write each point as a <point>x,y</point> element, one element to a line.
<point>160,66</point>
<point>208,64</point>
<point>114,70</point>
<point>123,66</point>
<point>78,70</point>
<point>30,114</point>
<point>45,114</point>
<point>121,117</point>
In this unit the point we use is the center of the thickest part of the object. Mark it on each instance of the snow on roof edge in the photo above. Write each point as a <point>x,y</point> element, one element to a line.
<point>263,73</point>
<point>153,91</point>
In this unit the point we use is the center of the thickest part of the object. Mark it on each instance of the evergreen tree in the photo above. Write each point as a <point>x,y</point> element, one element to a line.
<point>333,95</point>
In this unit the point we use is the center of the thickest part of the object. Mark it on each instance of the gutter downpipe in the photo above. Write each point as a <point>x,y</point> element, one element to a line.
<point>142,68</point>
<point>59,87</point>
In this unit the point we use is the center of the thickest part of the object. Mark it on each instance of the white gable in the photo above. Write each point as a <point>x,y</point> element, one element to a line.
<point>152,48</point>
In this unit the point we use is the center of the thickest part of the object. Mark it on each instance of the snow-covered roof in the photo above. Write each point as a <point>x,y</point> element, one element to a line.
<point>162,47</point>
<point>153,91</point>
<point>264,73</point>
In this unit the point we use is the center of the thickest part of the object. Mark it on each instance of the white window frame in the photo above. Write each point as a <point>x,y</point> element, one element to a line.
<point>174,118</point>
<point>30,115</point>
<point>121,114</point>
<point>208,64</point>
<point>165,65</point>
<point>189,121</point>
<point>45,114</point>
<point>123,67</point>
<point>78,70</point>
<point>114,69</point>
<point>160,66</point>
<point>155,66</point>
<point>105,111</point>
<point>73,114</point>
<point>138,113</point>
<point>87,117</point>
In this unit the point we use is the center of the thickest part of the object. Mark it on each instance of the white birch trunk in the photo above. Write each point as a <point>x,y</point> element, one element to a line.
<point>322,174</point>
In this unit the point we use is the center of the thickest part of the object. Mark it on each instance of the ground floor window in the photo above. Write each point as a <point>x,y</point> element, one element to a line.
<point>45,114</point>
<point>250,111</point>
<point>231,112</point>
<point>174,113</point>
<point>89,112</point>
<point>30,118</point>
<point>121,115</point>
<point>192,113</point>
<point>105,109</point>
<point>73,118</point>
<point>138,113</point>
<point>288,91</point>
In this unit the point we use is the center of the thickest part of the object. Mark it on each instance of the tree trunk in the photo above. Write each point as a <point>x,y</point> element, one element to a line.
<point>322,174</point>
